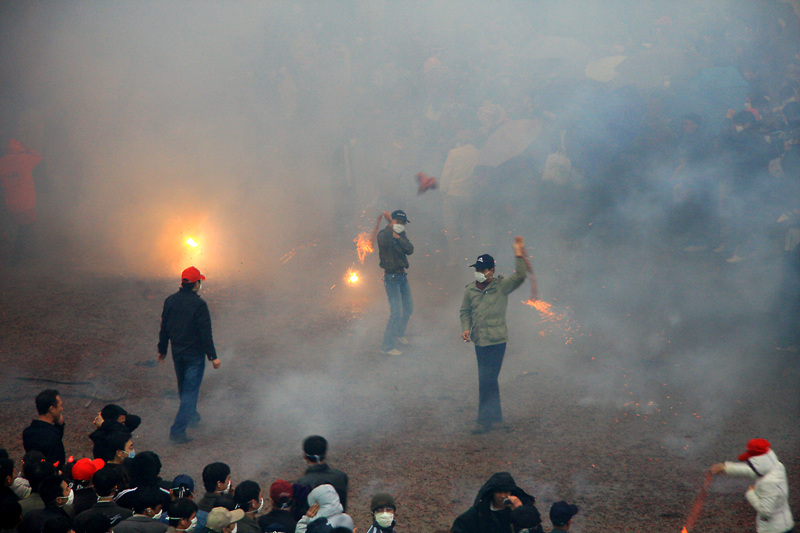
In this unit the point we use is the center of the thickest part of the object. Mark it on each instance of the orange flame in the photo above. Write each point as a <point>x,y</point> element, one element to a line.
<point>684,530</point>
<point>352,276</point>
<point>544,308</point>
<point>191,242</point>
<point>363,245</point>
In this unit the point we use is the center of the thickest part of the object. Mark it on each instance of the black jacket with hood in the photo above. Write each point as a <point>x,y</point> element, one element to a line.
<point>480,518</point>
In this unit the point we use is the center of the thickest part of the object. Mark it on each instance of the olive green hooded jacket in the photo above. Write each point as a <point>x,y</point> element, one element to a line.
<point>483,312</point>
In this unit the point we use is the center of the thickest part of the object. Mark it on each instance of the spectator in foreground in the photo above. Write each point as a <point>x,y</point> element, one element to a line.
<point>279,518</point>
<point>383,509</point>
<point>561,514</point>
<point>315,449</point>
<point>491,512</point>
<point>45,433</point>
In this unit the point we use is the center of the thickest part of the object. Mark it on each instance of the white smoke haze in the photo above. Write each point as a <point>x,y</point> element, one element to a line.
<point>274,132</point>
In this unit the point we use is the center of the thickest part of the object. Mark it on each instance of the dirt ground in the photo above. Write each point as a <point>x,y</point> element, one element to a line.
<point>627,439</point>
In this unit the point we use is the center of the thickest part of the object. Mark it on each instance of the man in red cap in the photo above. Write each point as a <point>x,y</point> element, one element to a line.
<point>186,323</point>
<point>769,496</point>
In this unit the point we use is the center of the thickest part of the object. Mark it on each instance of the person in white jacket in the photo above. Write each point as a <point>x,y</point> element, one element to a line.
<point>323,502</point>
<point>769,496</point>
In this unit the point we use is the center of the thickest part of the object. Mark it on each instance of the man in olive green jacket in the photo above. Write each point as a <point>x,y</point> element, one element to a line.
<point>483,321</point>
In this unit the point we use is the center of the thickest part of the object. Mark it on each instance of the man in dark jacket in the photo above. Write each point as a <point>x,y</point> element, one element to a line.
<point>493,507</point>
<point>186,323</point>
<point>56,495</point>
<point>45,433</point>
<point>393,250</point>
<point>279,518</point>
<point>319,472</point>
<point>105,482</point>
<point>561,514</point>
<point>217,482</point>
<point>110,420</point>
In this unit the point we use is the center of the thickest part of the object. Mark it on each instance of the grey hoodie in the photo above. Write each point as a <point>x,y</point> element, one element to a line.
<point>329,507</point>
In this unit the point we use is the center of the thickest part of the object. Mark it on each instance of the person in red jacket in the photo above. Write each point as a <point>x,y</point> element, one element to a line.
<point>16,178</point>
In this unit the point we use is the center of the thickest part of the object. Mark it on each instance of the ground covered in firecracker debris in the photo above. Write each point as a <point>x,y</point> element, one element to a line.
<point>625,436</point>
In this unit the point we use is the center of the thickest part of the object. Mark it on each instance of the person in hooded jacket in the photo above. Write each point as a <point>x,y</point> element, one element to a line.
<point>323,502</point>
<point>769,496</point>
<point>112,419</point>
<point>493,507</point>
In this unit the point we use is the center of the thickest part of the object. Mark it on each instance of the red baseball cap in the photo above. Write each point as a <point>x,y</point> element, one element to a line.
<point>280,490</point>
<point>755,447</point>
<point>192,275</point>
<point>84,469</point>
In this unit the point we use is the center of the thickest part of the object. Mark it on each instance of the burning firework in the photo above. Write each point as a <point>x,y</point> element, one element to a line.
<point>698,503</point>
<point>352,277</point>
<point>364,245</point>
<point>545,309</point>
<point>191,242</point>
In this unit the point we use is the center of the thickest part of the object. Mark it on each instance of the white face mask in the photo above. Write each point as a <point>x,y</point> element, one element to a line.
<point>384,519</point>
<point>157,515</point>
<point>70,499</point>
<point>260,506</point>
<point>191,527</point>
<point>235,527</point>
<point>399,228</point>
<point>228,488</point>
<point>480,277</point>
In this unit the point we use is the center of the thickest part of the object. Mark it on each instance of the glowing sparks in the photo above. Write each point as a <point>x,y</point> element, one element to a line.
<point>191,242</point>
<point>545,309</point>
<point>352,277</point>
<point>363,245</point>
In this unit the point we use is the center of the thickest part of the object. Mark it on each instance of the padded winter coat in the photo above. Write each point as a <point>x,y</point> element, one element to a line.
<point>770,497</point>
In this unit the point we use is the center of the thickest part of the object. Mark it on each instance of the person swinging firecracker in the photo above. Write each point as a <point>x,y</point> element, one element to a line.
<point>483,322</point>
<point>769,496</point>
<point>16,178</point>
<point>393,251</point>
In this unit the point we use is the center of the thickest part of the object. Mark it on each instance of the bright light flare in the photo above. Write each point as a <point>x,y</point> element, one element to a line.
<point>544,308</point>
<point>363,245</point>
<point>191,242</point>
<point>352,277</point>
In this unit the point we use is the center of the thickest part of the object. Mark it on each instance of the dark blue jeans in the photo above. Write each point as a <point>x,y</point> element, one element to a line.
<point>400,308</point>
<point>490,361</point>
<point>189,371</point>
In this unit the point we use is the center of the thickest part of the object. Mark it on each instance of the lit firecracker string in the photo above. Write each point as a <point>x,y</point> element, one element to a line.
<point>698,504</point>
<point>352,277</point>
<point>364,240</point>
<point>191,242</point>
<point>425,182</point>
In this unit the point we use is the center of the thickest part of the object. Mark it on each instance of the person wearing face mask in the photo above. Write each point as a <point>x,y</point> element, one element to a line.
<point>393,251</point>
<point>483,322</point>
<point>105,482</point>
<point>148,507</point>
<point>249,498</point>
<point>57,498</point>
<point>182,516</point>
<point>279,518</point>
<point>492,512</point>
<point>186,323</point>
<point>217,482</point>
<point>221,520</point>
<point>383,513</point>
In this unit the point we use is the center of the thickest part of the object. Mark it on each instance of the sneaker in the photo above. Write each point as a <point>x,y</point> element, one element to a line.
<point>393,351</point>
<point>180,439</point>
<point>402,340</point>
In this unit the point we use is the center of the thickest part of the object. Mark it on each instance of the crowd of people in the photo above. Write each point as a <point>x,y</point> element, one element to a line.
<point>122,491</point>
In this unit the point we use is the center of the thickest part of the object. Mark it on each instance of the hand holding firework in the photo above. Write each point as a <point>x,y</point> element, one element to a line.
<point>519,251</point>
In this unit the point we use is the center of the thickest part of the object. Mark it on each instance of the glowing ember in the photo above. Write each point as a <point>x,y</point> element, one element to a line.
<point>363,246</point>
<point>352,277</point>
<point>544,308</point>
<point>684,530</point>
<point>191,242</point>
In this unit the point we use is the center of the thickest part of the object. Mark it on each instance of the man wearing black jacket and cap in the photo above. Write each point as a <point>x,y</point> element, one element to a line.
<point>186,323</point>
<point>497,501</point>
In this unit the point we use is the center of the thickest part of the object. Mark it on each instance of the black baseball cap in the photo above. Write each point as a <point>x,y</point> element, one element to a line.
<point>399,214</point>
<point>562,512</point>
<point>484,261</point>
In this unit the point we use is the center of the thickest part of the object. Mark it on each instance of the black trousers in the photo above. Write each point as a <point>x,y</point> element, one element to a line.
<point>490,361</point>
